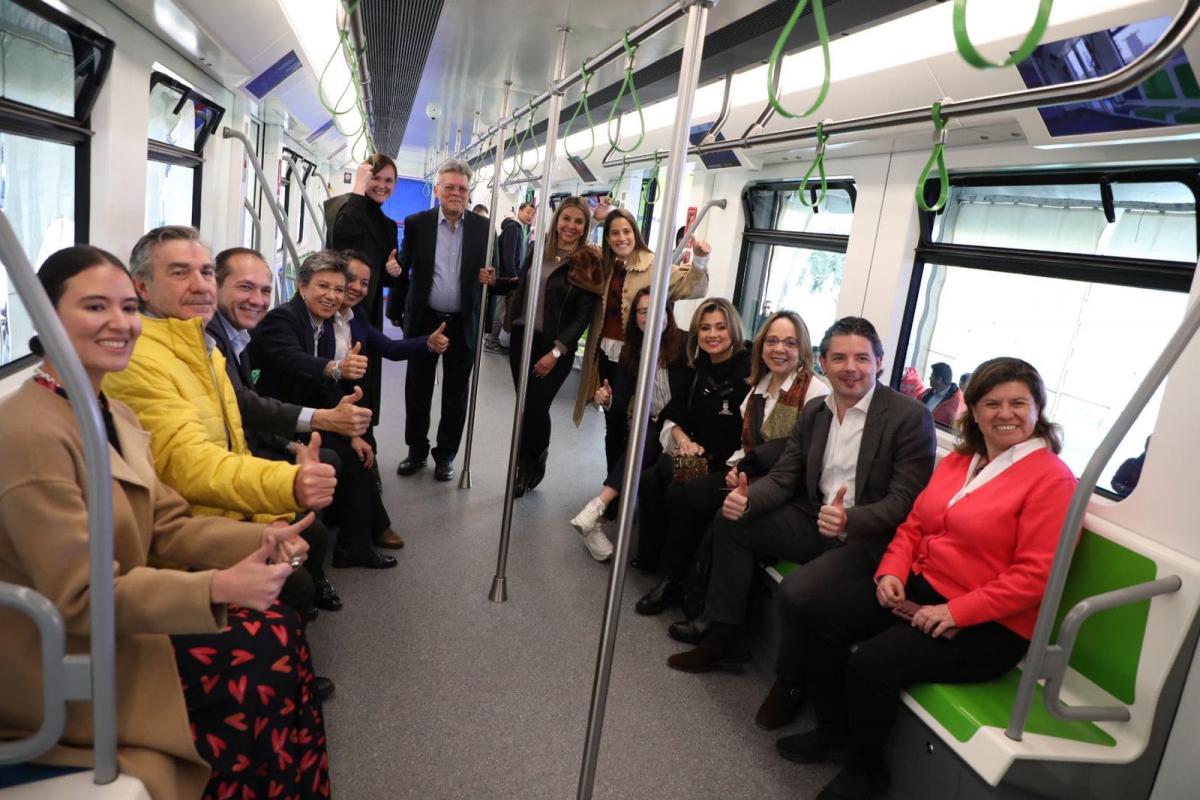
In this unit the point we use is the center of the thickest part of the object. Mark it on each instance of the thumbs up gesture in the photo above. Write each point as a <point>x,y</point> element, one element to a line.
<point>438,341</point>
<point>737,502</point>
<point>315,481</point>
<point>831,519</point>
<point>254,581</point>
<point>392,265</point>
<point>354,365</point>
<point>603,396</point>
<point>345,418</point>
<point>289,547</point>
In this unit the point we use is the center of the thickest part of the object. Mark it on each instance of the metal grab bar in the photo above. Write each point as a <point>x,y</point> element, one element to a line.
<point>559,86</point>
<point>726,107</point>
<point>1130,75</point>
<point>256,239</point>
<point>318,219</point>
<point>1058,655</point>
<point>101,664</point>
<point>1040,642</point>
<point>464,480</point>
<point>280,216</point>
<point>691,229</point>
<point>499,590</point>
<point>689,75</point>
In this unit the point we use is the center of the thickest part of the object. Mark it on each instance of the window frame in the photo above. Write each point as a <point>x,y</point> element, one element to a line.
<point>1141,273</point>
<point>829,242</point>
<point>22,119</point>
<point>181,156</point>
<point>308,169</point>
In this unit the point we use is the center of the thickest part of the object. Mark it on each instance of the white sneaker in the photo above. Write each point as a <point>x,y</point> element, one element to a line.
<point>588,519</point>
<point>598,544</point>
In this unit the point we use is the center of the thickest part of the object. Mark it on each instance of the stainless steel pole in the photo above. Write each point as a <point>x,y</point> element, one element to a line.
<point>689,74</point>
<point>318,219</point>
<point>499,591</point>
<point>464,478</point>
<point>101,596</point>
<point>280,217</point>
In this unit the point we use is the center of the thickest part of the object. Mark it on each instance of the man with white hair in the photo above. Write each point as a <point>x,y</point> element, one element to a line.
<point>443,250</point>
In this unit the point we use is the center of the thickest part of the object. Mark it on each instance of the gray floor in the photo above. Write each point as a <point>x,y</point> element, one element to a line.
<point>443,694</point>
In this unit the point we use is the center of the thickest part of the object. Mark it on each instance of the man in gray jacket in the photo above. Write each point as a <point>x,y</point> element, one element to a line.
<point>855,462</point>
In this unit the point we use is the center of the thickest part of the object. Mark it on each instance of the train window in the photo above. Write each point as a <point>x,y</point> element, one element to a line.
<point>53,67</point>
<point>1084,278</point>
<point>250,215</point>
<point>793,255</point>
<point>181,120</point>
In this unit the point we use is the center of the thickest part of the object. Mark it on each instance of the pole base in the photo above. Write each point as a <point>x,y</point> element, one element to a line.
<point>499,592</point>
<point>464,479</point>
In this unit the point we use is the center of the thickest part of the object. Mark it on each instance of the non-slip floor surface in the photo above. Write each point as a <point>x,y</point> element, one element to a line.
<point>442,694</point>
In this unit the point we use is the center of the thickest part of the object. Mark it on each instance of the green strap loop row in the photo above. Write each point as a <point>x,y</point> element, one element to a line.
<point>936,159</point>
<point>818,166</point>
<point>973,57</point>
<point>818,10</point>
<point>631,50</point>
<point>587,109</point>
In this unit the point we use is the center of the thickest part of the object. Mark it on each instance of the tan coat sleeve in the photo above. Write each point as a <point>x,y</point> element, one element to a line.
<point>198,541</point>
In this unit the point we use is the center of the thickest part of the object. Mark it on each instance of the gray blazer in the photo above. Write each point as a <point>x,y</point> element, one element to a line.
<point>894,464</point>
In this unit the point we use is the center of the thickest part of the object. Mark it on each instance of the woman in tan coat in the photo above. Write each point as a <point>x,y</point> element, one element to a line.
<point>627,263</point>
<point>177,662</point>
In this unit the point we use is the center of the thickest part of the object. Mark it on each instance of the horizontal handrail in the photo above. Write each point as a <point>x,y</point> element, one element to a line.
<point>54,705</point>
<point>100,668</point>
<point>1058,655</point>
<point>1133,73</point>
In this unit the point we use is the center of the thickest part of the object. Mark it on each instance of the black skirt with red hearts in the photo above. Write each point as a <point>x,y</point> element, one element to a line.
<point>254,713</point>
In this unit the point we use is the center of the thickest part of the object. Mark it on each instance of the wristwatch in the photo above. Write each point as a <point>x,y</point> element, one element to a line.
<point>841,537</point>
<point>554,352</point>
<point>335,371</point>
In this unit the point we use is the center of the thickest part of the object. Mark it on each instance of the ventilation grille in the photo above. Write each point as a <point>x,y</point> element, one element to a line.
<point>399,35</point>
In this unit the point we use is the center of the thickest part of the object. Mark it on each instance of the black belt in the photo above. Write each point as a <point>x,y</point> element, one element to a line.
<point>444,315</point>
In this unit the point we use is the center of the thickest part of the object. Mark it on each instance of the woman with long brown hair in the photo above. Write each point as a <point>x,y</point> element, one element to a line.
<point>571,282</point>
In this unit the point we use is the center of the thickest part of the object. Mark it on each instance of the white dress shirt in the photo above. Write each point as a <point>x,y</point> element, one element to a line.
<point>816,388</point>
<point>993,469</point>
<point>841,448</point>
<point>341,333</point>
<point>445,295</point>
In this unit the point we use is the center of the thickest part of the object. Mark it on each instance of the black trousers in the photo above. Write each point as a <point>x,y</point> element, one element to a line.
<point>357,508</point>
<point>535,427</point>
<point>690,508</point>
<point>789,532</point>
<point>457,363</point>
<point>616,418</point>
<point>859,693</point>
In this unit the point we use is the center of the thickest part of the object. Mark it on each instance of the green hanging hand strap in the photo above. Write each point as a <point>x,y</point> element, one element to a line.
<point>654,183</point>
<point>524,138</point>
<point>620,180</point>
<point>515,144</point>
<point>818,8</point>
<point>818,165</point>
<point>628,83</point>
<point>587,109</point>
<point>973,57</point>
<point>936,159</point>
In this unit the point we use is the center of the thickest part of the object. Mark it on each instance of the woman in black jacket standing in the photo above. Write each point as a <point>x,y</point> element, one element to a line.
<point>571,281</point>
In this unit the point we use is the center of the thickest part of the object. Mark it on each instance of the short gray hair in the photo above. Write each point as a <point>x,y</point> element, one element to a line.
<point>323,261</point>
<point>453,165</point>
<point>141,260</point>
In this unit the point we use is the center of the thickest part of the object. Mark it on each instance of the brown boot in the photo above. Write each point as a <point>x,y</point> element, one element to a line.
<point>389,539</point>
<point>783,704</point>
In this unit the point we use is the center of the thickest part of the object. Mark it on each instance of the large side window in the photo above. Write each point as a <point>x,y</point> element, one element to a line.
<point>1085,276</point>
<point>792,253</point>
<point>181,120</point>
<point>51,69</point>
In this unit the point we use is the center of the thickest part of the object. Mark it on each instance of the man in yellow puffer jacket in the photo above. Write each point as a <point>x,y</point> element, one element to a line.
<point>177,385</point>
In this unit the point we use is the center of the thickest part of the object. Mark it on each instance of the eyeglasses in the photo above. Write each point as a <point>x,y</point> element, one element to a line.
<point>775,341</point>
<point>451,189</point>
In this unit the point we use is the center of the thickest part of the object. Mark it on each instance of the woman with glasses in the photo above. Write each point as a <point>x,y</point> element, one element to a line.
<point>782,383</point>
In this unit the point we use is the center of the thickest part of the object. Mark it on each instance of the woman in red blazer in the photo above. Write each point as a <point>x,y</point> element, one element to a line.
<point>973,556</point>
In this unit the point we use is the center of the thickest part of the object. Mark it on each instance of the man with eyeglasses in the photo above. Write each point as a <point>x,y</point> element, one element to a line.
<point>443,250</point>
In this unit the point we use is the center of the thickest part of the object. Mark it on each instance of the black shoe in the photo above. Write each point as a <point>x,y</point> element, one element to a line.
<point>327,597</point>
<point>369,559</point>
<point>642,564</point>
<point>855,783</point>
<point>725,648</point>
<point>311,615</point>
<point>819,744</point>
<point>323,687</point>
<point>661,597</point>
<point>783,704</point>
<point>690,632</point>
<point>443,471</point>
<point>410,465</point>
<point>537,471</point>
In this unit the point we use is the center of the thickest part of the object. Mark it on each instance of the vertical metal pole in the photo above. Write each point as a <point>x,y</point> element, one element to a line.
<point>318,220</point>
<point>464,478</point>
<point>499,592</point>
<point>101,594</point>
<point>280,215</point>
<point>693,49</point>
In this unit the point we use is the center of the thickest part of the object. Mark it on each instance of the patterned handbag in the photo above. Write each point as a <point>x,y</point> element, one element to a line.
<point>688,467</point>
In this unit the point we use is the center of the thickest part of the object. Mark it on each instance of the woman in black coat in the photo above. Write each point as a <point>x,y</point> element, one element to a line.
<point>571,281</point>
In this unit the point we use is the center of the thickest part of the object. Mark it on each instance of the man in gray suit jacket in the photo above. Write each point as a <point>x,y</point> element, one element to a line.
<point>855,462</point>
